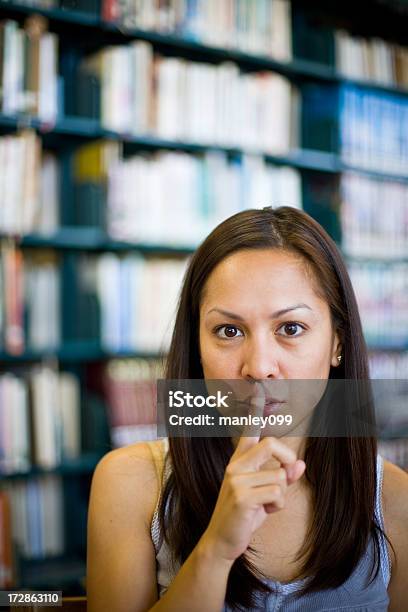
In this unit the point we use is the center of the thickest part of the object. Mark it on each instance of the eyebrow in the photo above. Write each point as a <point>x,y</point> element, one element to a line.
<point>274,315</point>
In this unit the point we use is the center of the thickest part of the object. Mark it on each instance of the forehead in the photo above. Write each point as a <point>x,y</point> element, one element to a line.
<point>262,274</point>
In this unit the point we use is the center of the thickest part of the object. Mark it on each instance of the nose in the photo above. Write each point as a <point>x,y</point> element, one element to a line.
<point>260,360</point>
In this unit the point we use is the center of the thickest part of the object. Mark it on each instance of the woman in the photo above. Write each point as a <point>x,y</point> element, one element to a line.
<point>256,522</point>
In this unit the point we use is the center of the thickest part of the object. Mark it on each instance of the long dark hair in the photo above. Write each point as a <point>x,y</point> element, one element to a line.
<point>344,467</point>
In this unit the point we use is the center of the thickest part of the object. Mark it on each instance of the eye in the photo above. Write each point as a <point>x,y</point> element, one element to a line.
<point>290,329</point>
<point>230,331</point>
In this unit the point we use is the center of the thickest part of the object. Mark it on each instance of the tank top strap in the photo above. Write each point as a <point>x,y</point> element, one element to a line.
<point>159,450</point>
<point>384,554</point>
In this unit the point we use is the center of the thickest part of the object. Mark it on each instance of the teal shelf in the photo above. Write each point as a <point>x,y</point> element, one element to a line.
<point>84,129</point>
<point>387,345</point>
<point>55,14</point>
<point>76,351</point>
<point>93,239</point>
<point>85,464</point>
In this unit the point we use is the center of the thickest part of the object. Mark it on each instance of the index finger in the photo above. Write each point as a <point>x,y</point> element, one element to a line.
<point>251,433</point>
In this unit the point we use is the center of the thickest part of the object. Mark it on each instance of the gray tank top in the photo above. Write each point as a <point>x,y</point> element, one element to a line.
<point>354,594</point>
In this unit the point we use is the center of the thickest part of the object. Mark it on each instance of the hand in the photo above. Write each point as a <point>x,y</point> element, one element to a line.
<point>248,494</point>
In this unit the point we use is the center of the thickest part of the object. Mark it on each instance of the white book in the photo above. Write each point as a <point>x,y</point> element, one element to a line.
<point>48,88</point>
<point>20,438</point>
<point>11,70</point>
<point>47,221</point>
<point>142,70</point>
<point>30,181</point>
<point>170,75</point>
<point>44,384</point>
<point>281,30</point>
<point>108,276</point>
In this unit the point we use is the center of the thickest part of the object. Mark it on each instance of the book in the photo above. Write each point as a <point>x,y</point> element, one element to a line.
<point>193,101</point>
<point>263,27</point>
<point>37,516</point>
<point>372,59</point>
<point>6,555</point>
<point>131,392</point>
<point>370,229</point>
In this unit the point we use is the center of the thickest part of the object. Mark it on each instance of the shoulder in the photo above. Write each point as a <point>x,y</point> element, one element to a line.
<point>121,563</point>
<point>395,506</point>
<point>395,492</point>
<point>121,475</point>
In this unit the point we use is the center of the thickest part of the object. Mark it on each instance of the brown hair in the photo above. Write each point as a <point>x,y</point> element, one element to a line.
<point>345,468</point>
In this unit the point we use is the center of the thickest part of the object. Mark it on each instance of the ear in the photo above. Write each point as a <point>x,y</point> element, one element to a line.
<point>336,350</point>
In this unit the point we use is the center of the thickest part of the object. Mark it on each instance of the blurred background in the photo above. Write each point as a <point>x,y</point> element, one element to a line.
<point>128,130</point>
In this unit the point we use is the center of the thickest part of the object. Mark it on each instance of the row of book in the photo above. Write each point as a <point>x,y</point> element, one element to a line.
<point>40,423</point>
<point>261,27</point>
<point>373,130</point>
<point>371,59</point>
<point>125,303</point>
<point>44,420</point>
<point>170,198</point>
<point>130,199</point>
<point>177,99</point>
<point>374,216</point>
<point>382,296</point>
<point>36,522</point>
<point>173,198</point>
<point>388,365</point>
<point>122,302</point>
<point>30,299</point>
<point>29,185</point>
<point>29,69</point>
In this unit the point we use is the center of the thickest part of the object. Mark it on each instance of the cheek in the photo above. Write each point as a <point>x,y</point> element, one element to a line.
<point>317,362</point>
<point>217,363</point>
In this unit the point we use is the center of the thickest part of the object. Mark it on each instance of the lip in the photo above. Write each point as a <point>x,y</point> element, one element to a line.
<point>272,406</point>
<point>274,400</point>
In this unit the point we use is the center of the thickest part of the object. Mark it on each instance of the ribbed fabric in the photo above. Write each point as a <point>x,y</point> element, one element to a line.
<point>354,594</point>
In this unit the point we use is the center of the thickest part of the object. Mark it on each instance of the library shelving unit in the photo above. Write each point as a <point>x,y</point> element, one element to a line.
<point>81,29</point>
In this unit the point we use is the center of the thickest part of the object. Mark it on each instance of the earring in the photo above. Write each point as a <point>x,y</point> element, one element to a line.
<point>339,359</point>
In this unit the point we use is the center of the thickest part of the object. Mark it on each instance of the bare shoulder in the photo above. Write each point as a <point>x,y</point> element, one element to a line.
<point>124,473</point>
<point>121,564</point>
<point>395,492</point>
<point>395,505</point>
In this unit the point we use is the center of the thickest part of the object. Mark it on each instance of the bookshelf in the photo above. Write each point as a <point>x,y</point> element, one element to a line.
<point>320,168</point>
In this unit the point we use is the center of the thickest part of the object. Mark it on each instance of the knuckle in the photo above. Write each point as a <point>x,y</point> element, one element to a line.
<point>293,456</point>
<point>271,442</point>
<point>238,498</point>
<point>276,491</point>
<point>230,470</point>
<point>281,474</point>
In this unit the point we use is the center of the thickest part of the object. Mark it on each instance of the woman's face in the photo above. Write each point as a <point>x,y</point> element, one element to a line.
<point>260,318</point>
